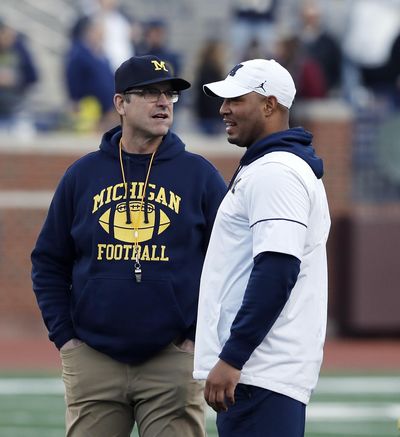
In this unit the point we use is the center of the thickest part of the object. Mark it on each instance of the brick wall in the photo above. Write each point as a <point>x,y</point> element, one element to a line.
<point>18,232</point>
<point>32,172</point>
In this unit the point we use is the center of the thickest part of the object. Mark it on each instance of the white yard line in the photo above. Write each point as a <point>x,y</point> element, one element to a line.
<point>326,385</point>
<point>347,412</point>
<point>317,411</point>
<point>352,411</point>
<point>358,385</point>
<point>31,386</point>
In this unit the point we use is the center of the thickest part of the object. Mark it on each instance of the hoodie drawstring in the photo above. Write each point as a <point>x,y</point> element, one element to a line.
<point>138,267</point>
<point>127,196</point>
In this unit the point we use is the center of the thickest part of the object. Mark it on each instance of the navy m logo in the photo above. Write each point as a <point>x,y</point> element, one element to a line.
<point>235,69</point>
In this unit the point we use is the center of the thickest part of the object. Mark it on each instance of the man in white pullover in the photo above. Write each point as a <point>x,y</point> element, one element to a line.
<point>263,297</point>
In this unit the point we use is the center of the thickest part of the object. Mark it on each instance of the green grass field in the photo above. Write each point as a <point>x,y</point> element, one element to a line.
<point>342,406</point>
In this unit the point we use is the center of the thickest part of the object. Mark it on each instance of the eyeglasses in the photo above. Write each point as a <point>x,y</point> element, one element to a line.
<point>152,95</point>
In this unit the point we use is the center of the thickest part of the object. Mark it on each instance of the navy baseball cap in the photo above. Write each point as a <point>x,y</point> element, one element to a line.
<point>145,70</point>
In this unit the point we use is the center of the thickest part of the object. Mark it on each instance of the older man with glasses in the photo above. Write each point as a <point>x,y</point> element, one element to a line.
<point>116,267</point>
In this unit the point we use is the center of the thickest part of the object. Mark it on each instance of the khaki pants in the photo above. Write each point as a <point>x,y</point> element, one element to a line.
<point>105,397</point>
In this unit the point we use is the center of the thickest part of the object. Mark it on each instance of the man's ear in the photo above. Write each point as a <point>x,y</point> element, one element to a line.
<point>119,104</point>
<point>270,104</point>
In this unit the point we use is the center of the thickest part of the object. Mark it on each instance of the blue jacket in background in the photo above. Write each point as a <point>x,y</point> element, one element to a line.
<point>83,262</point>
<point>17,62</point>
<point>89,75</point>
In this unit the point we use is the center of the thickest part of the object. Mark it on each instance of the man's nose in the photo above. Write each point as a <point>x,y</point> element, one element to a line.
<point>224,109</point>
<point>163,99</point>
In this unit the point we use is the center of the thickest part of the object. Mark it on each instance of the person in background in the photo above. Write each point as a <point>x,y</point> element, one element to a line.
<point>18,74</point>
<point>211,67</point>
<point>254,23</point>
<point>116,267</point>
<point>367,55</point>
<point>118,28</point>
<point>89,77</point>
<point>254,50</point>
<point>263,293</point>
<point>155,42</point>
<point>117,41</point>
<point>383,81</point>
<point>307,72</point>
<point>321,46</point>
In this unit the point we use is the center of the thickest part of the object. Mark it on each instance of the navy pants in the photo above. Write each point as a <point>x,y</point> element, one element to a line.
<point>262,413</point>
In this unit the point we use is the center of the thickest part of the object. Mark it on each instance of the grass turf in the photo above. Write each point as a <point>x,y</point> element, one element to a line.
<point>343,406</point>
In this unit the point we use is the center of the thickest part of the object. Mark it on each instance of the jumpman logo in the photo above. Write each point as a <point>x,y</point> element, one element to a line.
<point>262,86</point>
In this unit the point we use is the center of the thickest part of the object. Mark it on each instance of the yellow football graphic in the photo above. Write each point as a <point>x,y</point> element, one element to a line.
<point>146,219</point>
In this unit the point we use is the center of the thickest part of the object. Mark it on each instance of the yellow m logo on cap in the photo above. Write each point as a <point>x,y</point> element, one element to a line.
<point>159,65</point>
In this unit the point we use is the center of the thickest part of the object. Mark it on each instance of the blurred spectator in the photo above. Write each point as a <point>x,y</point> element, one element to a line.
<point>253,20</point>
<point>118,38</point>
<point>384,80</point>
<point>17,75</point>
<point>254,50</point>
<point>320,45</point>
<point>89,77</point>
<point>155,42</point>
<point>369,47</point>
<point>211,67</point>
<point>306,71</point>
<point>137,35</point>
<point>117,33</point>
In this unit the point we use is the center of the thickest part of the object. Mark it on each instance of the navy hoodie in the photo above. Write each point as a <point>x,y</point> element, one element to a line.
<point>83,262</point>
<point>295,140</point>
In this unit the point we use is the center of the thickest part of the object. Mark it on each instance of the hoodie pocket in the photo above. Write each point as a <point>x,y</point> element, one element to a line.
<point>130,314</point>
